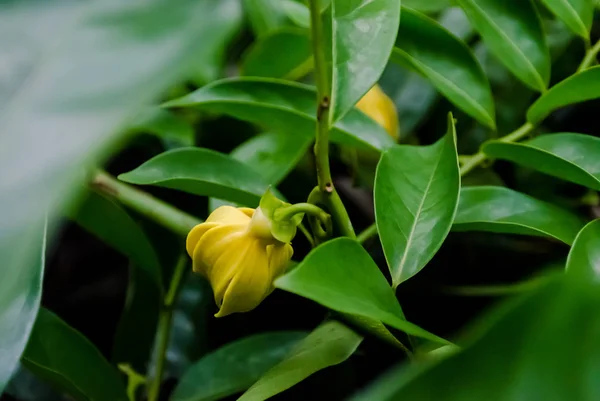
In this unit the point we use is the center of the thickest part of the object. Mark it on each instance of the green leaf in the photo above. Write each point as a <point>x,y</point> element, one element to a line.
<point>20,295</point>
<point>265,57</point>
<point>68,90</point>
<point>514,34</point>
<point>273,155</point>
<point>502,210</point>
<point>110,223</point>
<point>584,257</point>
<point>234,367</point>
<point>416,195</point>
<point>201,172</point>
<point>510,360</point>
<point>580,87</point>
<point>265,16</point>
<point>62,356</point>
<point>571,157</point>
<point>297,12</point>
<point>329,344</point>
<point>165,125</point>
<point>284,107</point>
<point>341,275</point>
<point>447,62</point>
<point>362,38</point>
<point>576,14</point>
<point>429,6</point>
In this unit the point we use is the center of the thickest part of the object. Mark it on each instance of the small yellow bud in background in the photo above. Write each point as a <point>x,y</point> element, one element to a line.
<point>235,250</point>
<point>377,105</point>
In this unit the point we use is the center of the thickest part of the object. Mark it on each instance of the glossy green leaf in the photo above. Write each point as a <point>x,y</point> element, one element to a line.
<point>329,344</point>
<point>265,16</point>
<point>577,88</point>
<point>165,125</point>
<point>446,62</point>
<point>235,367</point>
<point>20,297</point>
<point>427,6</point>
<point>62,356</point>
<point>110,223</point>
<point>584,257</point>
<point>201,172</point>
<point>362,38</point>
<point>502,210</point>
<point>510,358</point>
<point>273,155</point>
<point>341,275</point>
<point>68,89</point>
<point>576,14</point>
<point>284,53</point>
<point>513,32</point>
<point>572,157</point>
<point>416,195</point>
<point>284,107</point>
<point>297,12</point>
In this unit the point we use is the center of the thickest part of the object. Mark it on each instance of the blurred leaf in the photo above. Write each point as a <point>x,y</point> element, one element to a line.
<point>584,257</point>
<point>513,32</point>
<point>109,222</point>
<point>571,157</point>
<point>265,16</point>
<point>297,12</point>
<point>341,275</point>
<point>201,172</point>
<point>576,14</point>
<point>272,155</point>
<point>20,295</point>
<point>165,125</point>
<point>136,329</point>
<point>234,367</point>
<point>362,38</point>
<point>25,386</point>
<point>284,107</point>
<point>68,88</point>
<point>329,344</point>
<point>502,210</point>
<point>426,6</point>
<point>416,195</point>
<point>520,356</point>
<point>577,88</point>
<point>283,53</point>
<point>447,62</point>
<point>61,355</point>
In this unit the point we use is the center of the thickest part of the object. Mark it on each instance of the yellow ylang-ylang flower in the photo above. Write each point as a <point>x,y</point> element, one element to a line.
<point>235,249</point>
<point>377,105</point>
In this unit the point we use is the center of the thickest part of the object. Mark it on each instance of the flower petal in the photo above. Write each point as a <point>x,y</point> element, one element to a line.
<point>248,211</point>
<point>195,234</point>
<point>279,258</point>
<point>212,244</point>
<point>229,215</point>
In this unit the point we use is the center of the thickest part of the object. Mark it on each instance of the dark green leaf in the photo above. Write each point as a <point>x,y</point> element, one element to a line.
<point>511,360</point>
<point>584,257</point>
<point>447,62</point>
<point>576,14</point>
<point>297,12</point>
<point>110,223</point>
<point>512,29</point>
<point>503,210</point>
<point>362,38</point>
<point>234,367</point>
<point>265,16</point>
<point>201,172</point>
<point>21,291</point>
<point>25,386</point>
<point>426,6</point>
<point>416,195</point>
<point>578,88</point>
<point>62,356</point>
<point>329,344</point>
<point>341,275</point>
<point>572,157</point>
<point>165,125</point>
<point>283,106</point>
<point>68,88</point>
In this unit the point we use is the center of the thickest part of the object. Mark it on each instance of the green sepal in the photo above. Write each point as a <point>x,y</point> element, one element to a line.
<point>283,230</point>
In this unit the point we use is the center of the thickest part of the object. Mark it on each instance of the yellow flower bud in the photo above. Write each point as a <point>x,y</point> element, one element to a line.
<point>377,105</point>
<point>235,250</point>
